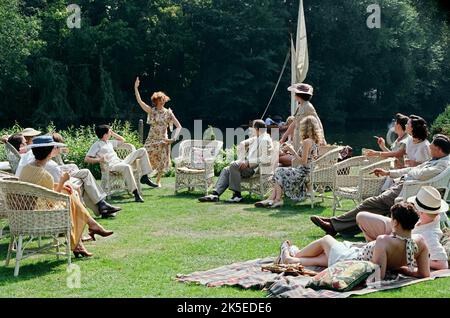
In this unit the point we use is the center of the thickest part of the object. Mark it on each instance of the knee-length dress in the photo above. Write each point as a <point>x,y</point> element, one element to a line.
<point>293,179</point>
<point>158,151</point>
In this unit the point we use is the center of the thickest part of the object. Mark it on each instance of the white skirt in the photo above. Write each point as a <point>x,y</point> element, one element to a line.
<point>342,251</point>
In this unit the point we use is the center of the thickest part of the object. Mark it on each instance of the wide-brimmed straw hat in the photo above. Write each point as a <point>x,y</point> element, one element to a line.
<point>428,200</point>
<point>302,88</point>
<point>45,141</point>
<point>30,132</point>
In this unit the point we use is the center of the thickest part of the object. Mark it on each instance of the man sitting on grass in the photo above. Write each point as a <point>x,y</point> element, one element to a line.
<point>346,223</point>
<point>102,152</point>
<point>259,156</point>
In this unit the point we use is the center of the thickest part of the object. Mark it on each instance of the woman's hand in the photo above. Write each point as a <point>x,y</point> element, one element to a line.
<point>68,188</point>
<point>169,141</point>
<point>381,142</point>
<point>137,83</point>
<point>371,153</point>
<point>65,177</point>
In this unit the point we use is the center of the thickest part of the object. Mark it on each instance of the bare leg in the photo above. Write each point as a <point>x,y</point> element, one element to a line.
<point>314,254</point>
<point>158,178</point>
<point>278,193</point>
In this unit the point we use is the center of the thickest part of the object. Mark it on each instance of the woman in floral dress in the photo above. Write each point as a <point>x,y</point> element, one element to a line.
<point>160,119</point>
<point>292,181</point>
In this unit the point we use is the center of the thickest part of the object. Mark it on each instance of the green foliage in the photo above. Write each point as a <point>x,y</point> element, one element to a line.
<point>218,55</point>
<point>442,123</point>
<point>224,159</point>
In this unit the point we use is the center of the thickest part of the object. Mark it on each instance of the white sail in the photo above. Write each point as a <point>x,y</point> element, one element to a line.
<point>300,58</point>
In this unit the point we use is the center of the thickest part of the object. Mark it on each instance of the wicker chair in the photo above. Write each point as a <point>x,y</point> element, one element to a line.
<point>35,212</point>
<point>13,157</point>
<point>440,182</point>
<point>112,181</point>
<point>190,174</point>
<point>353,179</point>
<point>3,214</point>
<point>322,173</point>
<point>259,183</point>
<point>327,148</point>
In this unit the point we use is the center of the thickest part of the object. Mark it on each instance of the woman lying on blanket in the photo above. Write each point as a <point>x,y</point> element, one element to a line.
<point>398,251</point>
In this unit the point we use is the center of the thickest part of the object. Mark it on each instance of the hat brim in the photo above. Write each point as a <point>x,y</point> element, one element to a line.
<point>52,144</point>
<point>297,91</point>
<point>34,133</point>
<point>443,209</point>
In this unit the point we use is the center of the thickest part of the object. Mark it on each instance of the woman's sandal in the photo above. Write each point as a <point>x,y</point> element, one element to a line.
<point>276,205</point>
<point>263,204</point>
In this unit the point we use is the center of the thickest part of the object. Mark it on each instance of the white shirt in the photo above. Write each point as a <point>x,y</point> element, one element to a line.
<point>432,234</point>
<point>106,150</point>
<point>418,152</point>
<point>259,149</point>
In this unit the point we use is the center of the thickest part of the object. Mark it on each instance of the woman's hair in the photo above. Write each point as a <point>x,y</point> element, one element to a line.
<point>402,120</point>
<point>419,127</point>
<point>159,96</point>
<point>42,153</point>
<point>310,129</point>
<point>405,214</point>
<point>305,97</point>
<point>16,141</point>
<point>290,120</point>
<point>57,137</point>
<point>101,130</point>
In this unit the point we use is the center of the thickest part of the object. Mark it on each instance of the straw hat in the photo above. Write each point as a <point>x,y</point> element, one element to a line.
<point>45,141</point>
<point>428,200</point>
<point>302,89</point>
<point>30,132</point>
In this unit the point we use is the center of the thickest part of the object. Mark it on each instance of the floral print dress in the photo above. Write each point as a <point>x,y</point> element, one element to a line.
<point>293,179</point>
<point>158,151</point>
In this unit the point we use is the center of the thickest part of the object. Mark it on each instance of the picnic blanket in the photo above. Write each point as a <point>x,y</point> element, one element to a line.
<point>250,275</point>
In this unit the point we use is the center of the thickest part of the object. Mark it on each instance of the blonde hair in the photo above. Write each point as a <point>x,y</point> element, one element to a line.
<point>309,128</point>
<point>160,96</point>
<point>290,120</point>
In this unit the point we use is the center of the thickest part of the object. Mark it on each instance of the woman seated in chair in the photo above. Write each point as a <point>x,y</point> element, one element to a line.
<point>292,181</point>
<point>399,251</point>
<point>398,148</point>
<point>44,149</point>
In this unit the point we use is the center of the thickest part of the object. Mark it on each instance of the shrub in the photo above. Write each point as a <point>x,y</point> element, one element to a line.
<point>442,123</point>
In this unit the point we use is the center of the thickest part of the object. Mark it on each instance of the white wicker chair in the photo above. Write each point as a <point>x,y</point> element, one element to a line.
<point>3,214</point>
<point>113,182</point>
<point>440,182</point>
<point>35,212</point>
<point>353,179</point>
<point>13,157</point>
<point>327,148</point>
<point>259,183</point>
<point>201,174</point>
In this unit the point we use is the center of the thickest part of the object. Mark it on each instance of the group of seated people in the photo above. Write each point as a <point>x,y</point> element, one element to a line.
<point>300,144</point>
<point>39,165</point>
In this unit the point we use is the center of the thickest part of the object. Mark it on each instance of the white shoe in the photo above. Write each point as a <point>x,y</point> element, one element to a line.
<point>234,200</point>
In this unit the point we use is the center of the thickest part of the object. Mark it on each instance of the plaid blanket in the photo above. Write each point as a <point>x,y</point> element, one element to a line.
<point>249,275</point>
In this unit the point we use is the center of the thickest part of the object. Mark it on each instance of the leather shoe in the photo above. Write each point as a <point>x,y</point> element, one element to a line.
<point>324,225</point>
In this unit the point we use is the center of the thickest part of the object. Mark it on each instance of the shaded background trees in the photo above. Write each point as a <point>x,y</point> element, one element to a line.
<point>219,59</point>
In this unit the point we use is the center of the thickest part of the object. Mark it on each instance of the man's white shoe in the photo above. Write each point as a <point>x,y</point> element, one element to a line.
<point>235,200</point>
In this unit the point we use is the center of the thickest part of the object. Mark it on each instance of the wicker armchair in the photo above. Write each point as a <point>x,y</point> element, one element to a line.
<point>13,157</point>
<point>327,148</point>
<point>259,183</point>
<point>353,179</point>
<point>35,212</point>
<point>112,181</point>
<point>440,182</point>
<point>3,214</point>
<point>322,173</point>
<point>190,174</point>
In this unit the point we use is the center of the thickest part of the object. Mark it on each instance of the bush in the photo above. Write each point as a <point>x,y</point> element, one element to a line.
<point>442,123</point>
<point>79,140</point>
<point>224,159</point>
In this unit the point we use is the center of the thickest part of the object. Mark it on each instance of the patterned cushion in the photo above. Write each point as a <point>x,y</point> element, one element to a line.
<point>343,276</point>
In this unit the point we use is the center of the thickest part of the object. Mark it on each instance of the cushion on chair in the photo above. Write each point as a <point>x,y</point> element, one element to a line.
<point>343,276</point>
<point>189,170</point>
<point>198,158</point>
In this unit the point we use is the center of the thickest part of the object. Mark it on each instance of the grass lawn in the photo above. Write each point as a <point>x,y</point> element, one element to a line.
<point>169,235</point>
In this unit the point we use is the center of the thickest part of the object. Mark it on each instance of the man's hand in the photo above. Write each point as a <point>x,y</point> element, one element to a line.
<point>411,163</point>
<point>244,165</point>
<point>381,172</point>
